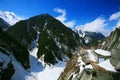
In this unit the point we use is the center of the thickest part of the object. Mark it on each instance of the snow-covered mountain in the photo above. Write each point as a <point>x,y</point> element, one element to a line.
<point>54,40</point>
<point>49,43</point>
<point>16,63</point>
<point>90,38</point>
<point>10,17</point>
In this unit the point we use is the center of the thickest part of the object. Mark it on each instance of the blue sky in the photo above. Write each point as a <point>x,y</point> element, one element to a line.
<point>76,12</point>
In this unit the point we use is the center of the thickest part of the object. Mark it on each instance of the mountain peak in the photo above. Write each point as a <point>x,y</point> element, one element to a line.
<point>53,39</point>
<point>44,16</point>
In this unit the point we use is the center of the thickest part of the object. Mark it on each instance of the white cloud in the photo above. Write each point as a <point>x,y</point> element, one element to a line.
<point>97,25</point>
<point>63,18</point>
<point>115,16</point>
<point>10,17</point>
<point>118,23</point>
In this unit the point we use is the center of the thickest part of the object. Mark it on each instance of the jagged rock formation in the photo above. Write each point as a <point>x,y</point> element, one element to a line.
<point>112,43</point>
<point>54,40</point>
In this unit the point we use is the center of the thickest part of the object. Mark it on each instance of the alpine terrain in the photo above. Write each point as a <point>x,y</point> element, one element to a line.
<point>96,64</point>
<point>42,48</point>
<point>36,48</point>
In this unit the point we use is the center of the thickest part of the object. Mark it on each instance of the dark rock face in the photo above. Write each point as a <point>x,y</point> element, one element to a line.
<point>53,39</point>
<point>6,74</point>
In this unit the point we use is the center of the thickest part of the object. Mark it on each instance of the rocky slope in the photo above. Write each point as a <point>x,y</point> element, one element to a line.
<point>86,69</point>
<point>54,40</point>
<point>112,43</point>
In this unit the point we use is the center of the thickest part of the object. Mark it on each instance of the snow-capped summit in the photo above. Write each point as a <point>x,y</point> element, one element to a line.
<point>10,17</point>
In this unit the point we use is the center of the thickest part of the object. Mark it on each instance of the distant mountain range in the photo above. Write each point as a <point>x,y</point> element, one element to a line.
<point>90,38</point>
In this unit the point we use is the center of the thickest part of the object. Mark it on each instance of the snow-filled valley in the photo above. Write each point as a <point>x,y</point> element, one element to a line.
<point>38,69</point>
<point>41,71</point>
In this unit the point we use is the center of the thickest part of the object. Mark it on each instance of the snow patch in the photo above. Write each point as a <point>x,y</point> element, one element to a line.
<point>89,66</point>
<point>92,56</point>
<point>107,65</point>
<point>81,64</point>
<point>5,60</point>
<point>41,72</point>
<point>20,72</point>
<point>103,52</point>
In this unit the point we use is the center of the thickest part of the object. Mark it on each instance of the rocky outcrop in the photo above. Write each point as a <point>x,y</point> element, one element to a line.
<point>71,67</point>
<point>112,43</point>
<point>6,73</point>
<point>90,74</point>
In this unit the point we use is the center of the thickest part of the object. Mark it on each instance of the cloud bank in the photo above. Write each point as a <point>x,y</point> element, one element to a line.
<point>97,25</point>
<point>101,25</point>
<point>115,16</point>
